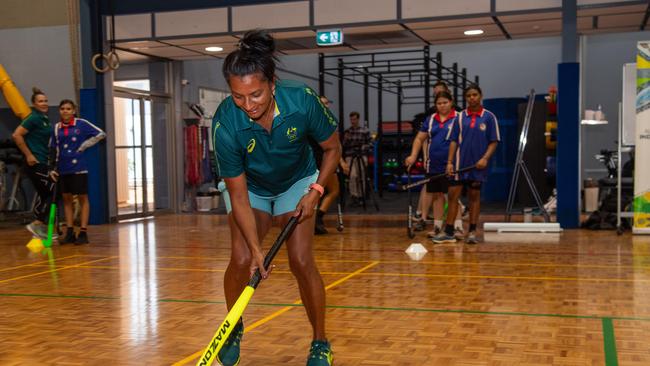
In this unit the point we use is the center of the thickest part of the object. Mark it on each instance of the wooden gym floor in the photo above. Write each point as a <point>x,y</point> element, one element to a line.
<point>150,292</point>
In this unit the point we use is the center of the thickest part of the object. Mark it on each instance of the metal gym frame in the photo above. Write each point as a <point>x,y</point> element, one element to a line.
<point>392,72</point>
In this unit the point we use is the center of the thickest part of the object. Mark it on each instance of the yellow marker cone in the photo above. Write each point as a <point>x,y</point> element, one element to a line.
<point>35,245</point>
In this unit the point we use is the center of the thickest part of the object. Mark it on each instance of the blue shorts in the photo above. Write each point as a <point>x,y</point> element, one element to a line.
<point>275,205</point>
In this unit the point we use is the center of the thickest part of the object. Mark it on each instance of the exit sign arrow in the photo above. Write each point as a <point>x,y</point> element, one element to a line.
<point>330,37</point>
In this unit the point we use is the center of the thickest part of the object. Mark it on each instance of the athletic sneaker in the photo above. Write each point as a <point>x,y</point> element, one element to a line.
<point>229,353</point>
<point>38,230</point>
<point>459,233</point>
<point>419,225</point>
<point>320,354</point>
<point>432,234</point>
<point>471,238</point>
<point>444,238</point>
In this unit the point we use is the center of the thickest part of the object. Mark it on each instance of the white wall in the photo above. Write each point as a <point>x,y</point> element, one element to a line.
<point>505,69</point>
<point>38,57</point>
<point>604,57</point>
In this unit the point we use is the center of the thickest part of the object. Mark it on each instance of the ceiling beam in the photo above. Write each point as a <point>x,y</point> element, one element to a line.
<point>645,18</point>
<point>501,27</point>
<point>415,34</point>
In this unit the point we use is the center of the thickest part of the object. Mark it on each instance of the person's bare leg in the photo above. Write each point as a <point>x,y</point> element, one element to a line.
<point>85,209</point>
<point>474,196</point>
<point>452,203</point>
<point>68,208</point>
<point>238,271</point>
<point>332,188</point>
<point>438,206</point>
<point>303,267</point>
<point>425,202</point>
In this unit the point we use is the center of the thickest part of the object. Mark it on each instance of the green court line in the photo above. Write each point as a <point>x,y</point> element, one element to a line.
<point>609,340</point>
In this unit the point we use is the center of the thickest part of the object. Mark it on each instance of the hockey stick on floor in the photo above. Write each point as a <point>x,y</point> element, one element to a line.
<point>223,332</point>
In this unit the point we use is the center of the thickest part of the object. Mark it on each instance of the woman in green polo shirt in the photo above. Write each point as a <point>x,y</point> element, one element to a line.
<point>260,137</point>
<point>32,137</point>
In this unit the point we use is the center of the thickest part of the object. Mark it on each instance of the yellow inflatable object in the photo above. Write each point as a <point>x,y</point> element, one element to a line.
<point>12,95</point>
<point>35,245</point>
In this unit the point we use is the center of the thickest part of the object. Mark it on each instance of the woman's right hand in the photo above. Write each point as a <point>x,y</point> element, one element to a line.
<point>450,169</point>
<point>410,160</point>
<point>31,160</point>
<point>258,263</point>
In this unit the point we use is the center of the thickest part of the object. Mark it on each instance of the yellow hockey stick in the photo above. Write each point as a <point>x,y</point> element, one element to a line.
<point>224,330</point>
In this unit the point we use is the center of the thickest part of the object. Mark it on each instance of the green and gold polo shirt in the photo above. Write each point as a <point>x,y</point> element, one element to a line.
<point>38,138</point>
<point>275,160</point>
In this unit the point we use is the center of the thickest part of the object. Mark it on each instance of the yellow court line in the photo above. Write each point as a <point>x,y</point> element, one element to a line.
<point>55,269</point>
<point>37,263</point>
<point>395,274</point>
<point>590,279</point>
<point>516,264</point>
<point>168,269</point>
<point>281,311</point>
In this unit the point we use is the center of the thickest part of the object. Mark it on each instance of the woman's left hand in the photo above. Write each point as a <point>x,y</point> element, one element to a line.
<point>307,205</point>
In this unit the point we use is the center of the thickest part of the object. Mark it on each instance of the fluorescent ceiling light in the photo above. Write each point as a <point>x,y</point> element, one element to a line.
<point>473,32</point>
<point>593,122</point>
<point>214,49</point>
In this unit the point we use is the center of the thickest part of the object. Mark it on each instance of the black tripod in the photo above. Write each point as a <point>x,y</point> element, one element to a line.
<point>364,183</point>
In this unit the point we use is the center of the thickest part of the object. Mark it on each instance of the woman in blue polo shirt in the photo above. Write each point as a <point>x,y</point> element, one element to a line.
<point>435,130</point>
<point>260,137</point>
<point>473,141</point>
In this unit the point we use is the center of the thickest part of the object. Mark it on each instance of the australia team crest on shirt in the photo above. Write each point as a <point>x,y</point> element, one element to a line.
<point>292,134</point>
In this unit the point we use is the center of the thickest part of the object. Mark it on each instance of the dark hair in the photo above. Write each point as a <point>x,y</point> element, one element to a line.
<point>354,114</point>
<point>473,87</point>
<point>254,54</point>
<point>441,83</point>
<point>36,92</point>
<point>67,101</point>
<point>443,94</point>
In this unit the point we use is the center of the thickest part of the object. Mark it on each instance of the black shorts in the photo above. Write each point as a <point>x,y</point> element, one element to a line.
<point>466,184</point>
<point>74,183</point>
<point>439,185</point>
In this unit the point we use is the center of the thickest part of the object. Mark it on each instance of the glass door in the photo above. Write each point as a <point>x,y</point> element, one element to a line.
<point>134,163</point>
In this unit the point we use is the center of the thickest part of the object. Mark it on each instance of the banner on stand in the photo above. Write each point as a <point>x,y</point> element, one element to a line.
<point>642,151</point>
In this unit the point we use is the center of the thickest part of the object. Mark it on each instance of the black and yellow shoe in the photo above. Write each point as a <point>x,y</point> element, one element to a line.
<point>229,353</point>
<point>320,354</point>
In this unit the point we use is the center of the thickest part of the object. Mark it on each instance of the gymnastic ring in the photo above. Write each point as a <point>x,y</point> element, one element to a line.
<point>93,63</point>
<point>113,60</point>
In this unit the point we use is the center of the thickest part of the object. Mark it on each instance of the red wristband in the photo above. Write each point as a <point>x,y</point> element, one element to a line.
<point>318,188</point>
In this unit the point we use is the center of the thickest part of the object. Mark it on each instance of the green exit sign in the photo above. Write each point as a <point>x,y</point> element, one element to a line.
<point>332,37</point>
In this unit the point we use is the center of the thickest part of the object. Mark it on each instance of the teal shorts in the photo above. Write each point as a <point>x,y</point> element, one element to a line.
<point>275,205</point>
